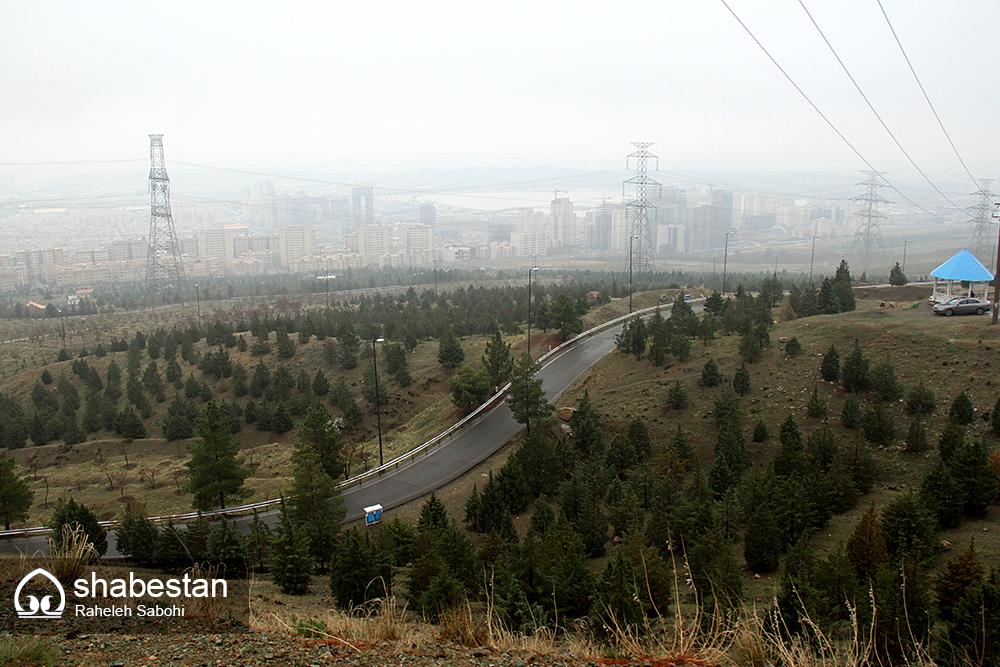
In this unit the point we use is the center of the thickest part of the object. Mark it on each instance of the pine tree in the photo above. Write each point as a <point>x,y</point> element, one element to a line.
<point>354,571</point>
<point>842,287</point>
<point>761,548</point>
<point>450,352</point>
<point>741,381</point>
<point>710,375</point>
<point>920,400</point>
<point>659,337</point>
<point>316,511</point>
<point>257,542</point>
<point>970,466</point>
<point>638,436</point>
<point>815,406</point>
<point>565,317</point>
<point>526,397</point>
<point>136,536</point>
<point>760,431</point>
<point>793,347</point>
<point>226,548</point>
<point>850,414</point>
<point>916,437</point>
<point>944,496</point>
<point>291,565</point>
<point>822,447</point>
<point>959,575</point>
<point>952,437</point>
<point>677,396</point>
<point>884,383</point>
<point>830,368</point>
<point>217,472</point>
<point>908,528</point>
<point>896,276</point>
<point>170,552</point>
<point>962,411</point>
<point>497,360</point>
<point>789,460</point>
<point>318,432</point>
<point>974,634</point>
<point>15,494</point>
<point>585,423</point>
<point>878,425</point>
<point>856,371</point>
<point>866,547</point>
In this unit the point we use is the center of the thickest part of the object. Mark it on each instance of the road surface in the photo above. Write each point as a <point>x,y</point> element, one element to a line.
<point>473,444</point>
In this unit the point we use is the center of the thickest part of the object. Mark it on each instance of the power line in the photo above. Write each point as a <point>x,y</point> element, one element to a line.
<point>868,102</point>
<point>821,114</point>
<point>914,72</point>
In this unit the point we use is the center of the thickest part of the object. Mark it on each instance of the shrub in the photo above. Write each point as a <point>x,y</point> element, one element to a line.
<point>793,347</point>
<point>69,512</point>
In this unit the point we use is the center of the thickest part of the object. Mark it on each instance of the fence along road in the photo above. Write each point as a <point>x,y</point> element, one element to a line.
<point>430,466</point>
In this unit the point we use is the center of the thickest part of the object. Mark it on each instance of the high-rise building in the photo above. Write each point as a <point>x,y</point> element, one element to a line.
<point>295,242</point>
<point>563,221</point>
<point>216,244</point>
<point>499,232</point>
<point>527,244</point>
<point>529,220</point>
<point>372,242</point>
<point>417,238</point>
<point>363,205</point>
<point>428,215</point>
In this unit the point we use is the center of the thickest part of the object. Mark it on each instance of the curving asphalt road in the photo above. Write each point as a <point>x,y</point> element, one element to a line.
<point>475,443</point>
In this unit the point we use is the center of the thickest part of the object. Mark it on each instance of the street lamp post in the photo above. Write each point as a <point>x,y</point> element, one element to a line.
<point>435,276</point>
<point>905,243</point>
<point>197,296</point>
<point>714,284</point>
<point>812,256</point>
<point>725,261</point>
<point>530,271</point>
<point>630,239</point>
<point>62,325</point>
<point>378,409</point>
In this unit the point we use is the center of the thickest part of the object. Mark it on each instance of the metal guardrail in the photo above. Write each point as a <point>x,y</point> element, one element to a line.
<point>266,505</point>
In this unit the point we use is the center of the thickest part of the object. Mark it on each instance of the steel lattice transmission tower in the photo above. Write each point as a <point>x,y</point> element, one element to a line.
<point>868,237</point>
<point>982,216</point>
<point>163,254</point>
<point>638,207</point>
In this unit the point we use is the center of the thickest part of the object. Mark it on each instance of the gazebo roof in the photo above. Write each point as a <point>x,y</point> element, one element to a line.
<point>963,266</point>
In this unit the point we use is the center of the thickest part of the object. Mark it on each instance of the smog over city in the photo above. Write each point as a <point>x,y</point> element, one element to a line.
<point>484,112</point>
<point>458,332</point>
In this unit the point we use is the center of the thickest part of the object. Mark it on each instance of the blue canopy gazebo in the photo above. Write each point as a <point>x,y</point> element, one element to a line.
<point>963,267</point>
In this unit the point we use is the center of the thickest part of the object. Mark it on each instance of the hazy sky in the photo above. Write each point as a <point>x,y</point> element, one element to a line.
<point>358,85</point>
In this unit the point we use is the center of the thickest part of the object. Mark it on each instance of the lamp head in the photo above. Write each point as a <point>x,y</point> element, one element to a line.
<point>379,340</point>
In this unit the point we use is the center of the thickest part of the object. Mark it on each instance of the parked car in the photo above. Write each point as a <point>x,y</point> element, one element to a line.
<point>963,305</point>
